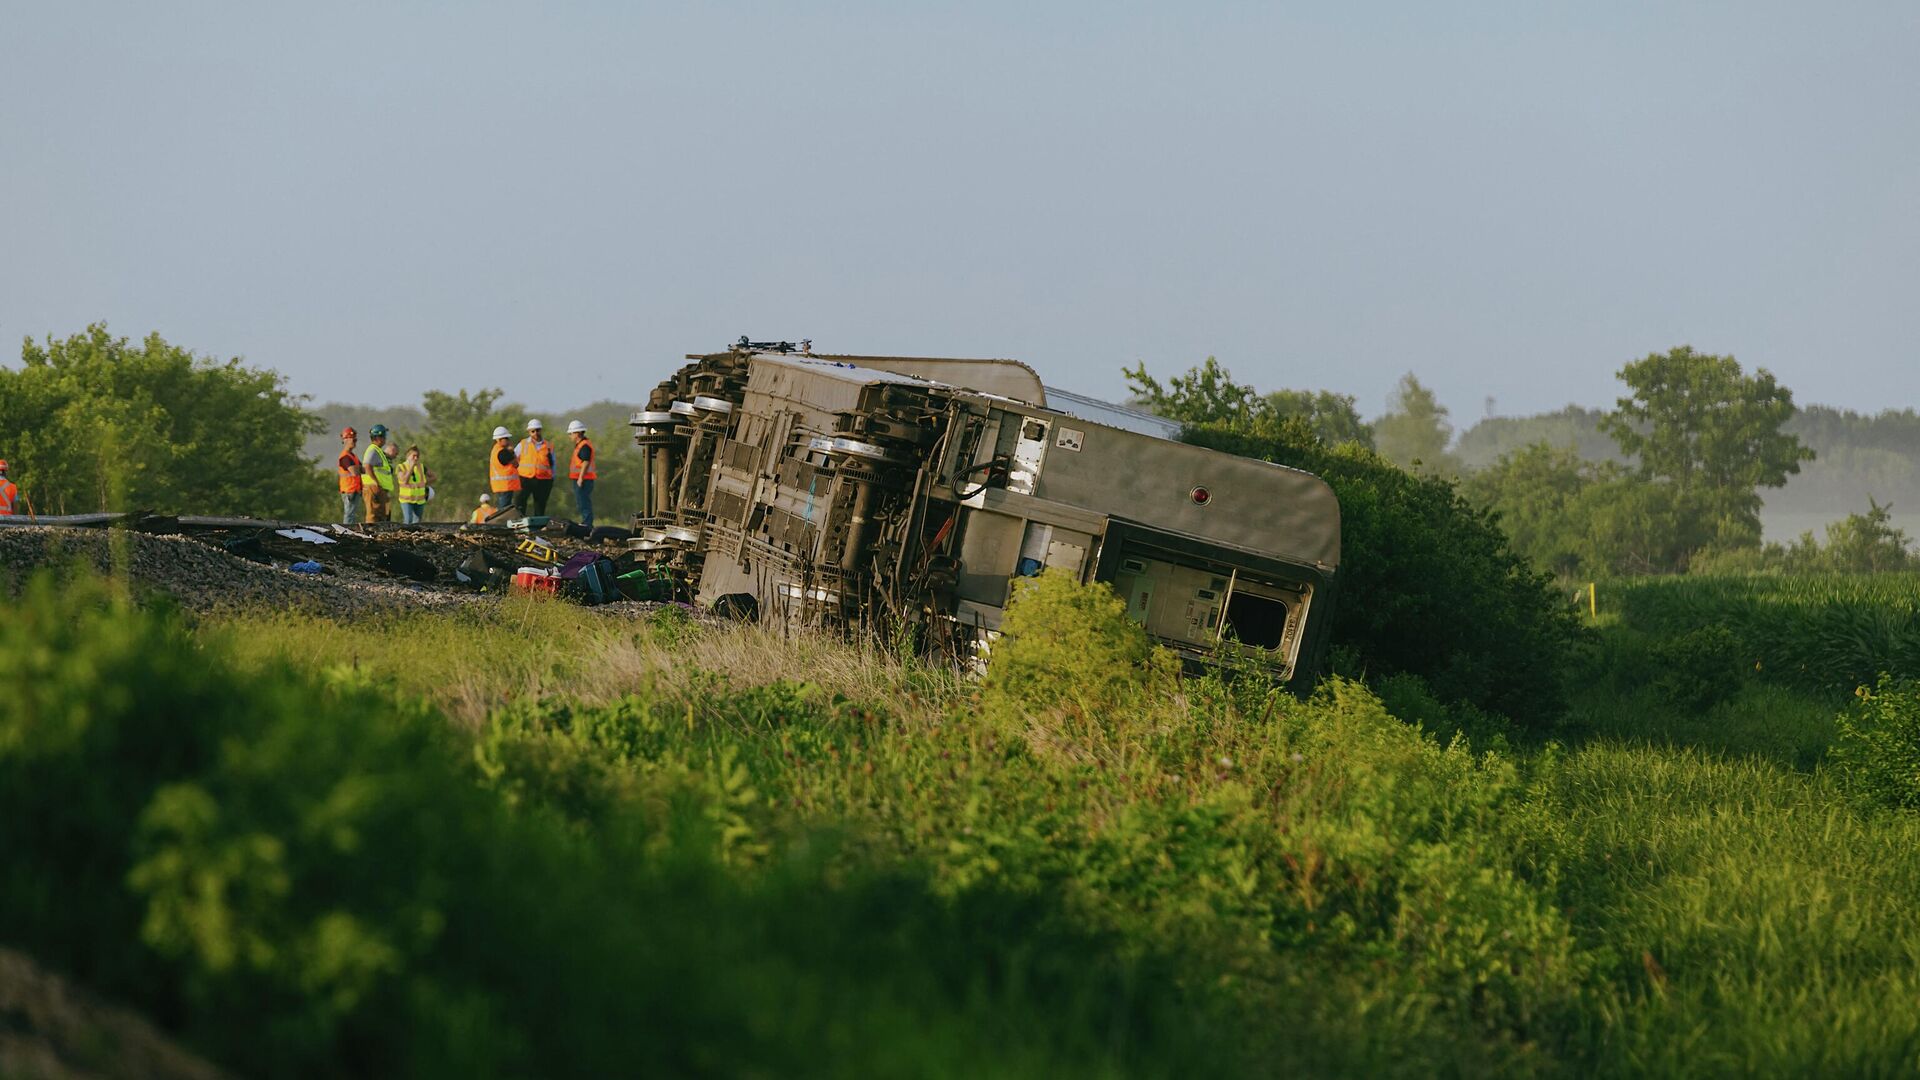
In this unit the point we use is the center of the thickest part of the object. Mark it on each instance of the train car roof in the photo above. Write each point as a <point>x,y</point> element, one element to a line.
<point>1294,514</point>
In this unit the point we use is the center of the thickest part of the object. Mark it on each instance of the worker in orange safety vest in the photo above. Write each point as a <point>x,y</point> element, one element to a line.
<point>350,476</point>
<point>503,469</point>
<point>581,471</point>
<point>536,471</point>
<point>9,492</point>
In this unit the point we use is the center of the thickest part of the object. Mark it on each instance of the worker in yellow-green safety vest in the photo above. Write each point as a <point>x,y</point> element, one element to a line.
<point>380,482</point>
<point>535,455</point>
<point>413,478</point>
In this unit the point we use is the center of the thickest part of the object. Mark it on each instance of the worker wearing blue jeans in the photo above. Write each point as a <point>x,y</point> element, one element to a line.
<point>582,472</point>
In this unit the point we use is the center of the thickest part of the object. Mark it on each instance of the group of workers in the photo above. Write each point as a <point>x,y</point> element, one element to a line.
<point>382,480</point>
<point>521,475</point>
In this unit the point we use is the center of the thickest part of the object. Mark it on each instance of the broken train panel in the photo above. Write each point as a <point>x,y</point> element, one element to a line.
<point>831,491</point>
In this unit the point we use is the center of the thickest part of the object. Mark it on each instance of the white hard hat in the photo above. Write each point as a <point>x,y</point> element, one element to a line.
<point>534,425</point>
<point>502,433</point>
<point>486,500</point>
<point>576,428</point>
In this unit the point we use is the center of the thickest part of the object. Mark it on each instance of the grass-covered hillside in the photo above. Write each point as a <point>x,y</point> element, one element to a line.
<point>527,840</point>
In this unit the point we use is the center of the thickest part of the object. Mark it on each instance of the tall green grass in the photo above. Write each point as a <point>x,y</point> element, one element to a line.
<point>679,848</point>
<point>1827,631</point>
<point>303,874</point>
<point>1747,920</point>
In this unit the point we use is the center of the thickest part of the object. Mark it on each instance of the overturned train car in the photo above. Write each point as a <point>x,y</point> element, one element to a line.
<point>839,491</point>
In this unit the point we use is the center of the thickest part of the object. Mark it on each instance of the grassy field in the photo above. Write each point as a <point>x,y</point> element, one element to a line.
<point>540,841</point>
<point>1828,631</point>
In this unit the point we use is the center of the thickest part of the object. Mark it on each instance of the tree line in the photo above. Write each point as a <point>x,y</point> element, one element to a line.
<point>93,423</point>
<point>1668,480</point>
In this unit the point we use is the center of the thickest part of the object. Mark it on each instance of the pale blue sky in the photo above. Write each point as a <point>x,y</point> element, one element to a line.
<point>1509,199</point>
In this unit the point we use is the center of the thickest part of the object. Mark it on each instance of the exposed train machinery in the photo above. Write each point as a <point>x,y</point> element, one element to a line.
<point>830,492</point>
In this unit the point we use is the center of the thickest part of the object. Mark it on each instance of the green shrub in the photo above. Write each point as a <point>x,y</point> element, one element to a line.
<point>1409,698</point>
<point>1067,647</point>
<point>1698,669</point>
<point>1878,747</point>
<point>1429,585</point>
<point>303,877</point>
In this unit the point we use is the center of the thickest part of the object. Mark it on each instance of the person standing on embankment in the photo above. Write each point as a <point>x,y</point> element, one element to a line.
<point>503,469</point>
<point>350,477</point>
<point>582,472</point>
<point>9,491</point>
<point>536,471</point>
<point>411,478</point>
<point>379,475</point>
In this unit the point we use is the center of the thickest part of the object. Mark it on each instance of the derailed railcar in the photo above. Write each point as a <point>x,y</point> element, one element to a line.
<point>834,491</point>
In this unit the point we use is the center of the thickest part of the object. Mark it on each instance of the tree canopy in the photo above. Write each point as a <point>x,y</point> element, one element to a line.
<point>1207,394</point>
<point>1701,423</point>
<point>96,422</point>
<point>1415,431</point>
<point>1429,586</point>
<point>1333,417</point>
<point>455,440</point>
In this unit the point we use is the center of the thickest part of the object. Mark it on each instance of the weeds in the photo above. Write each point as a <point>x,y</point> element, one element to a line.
<point>1822,631</point>
<point>677,846</point>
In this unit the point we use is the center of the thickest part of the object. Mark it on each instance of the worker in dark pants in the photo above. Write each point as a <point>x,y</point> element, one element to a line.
<point>503,472</point>
<point>582,472</point>
<point>535,455</point>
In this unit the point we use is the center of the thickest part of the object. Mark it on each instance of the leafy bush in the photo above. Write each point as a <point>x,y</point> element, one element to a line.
<point>1070,647</point>
<point>95,422</point>
<point>1698,669</point>
<point>1866,543</point>
<point>1409,698</point>
<point>306,878</point>
<point>727,871</point>
<point>1429,584</point>
<point>1878,748</point>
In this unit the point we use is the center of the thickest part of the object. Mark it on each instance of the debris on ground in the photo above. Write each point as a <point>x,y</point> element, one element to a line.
<point>340,571</point>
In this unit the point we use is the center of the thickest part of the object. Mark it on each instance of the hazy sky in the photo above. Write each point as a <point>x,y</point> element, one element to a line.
<point>1508,199</point>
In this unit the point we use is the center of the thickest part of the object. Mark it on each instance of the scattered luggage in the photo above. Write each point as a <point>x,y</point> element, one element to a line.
<point>646,583</point>
<point>536,579</point>
<point>590,577</point>
<point>538,550</point>
<point>485,571</point>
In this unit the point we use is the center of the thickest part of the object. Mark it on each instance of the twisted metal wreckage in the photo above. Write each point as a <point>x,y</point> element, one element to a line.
<point>843,491</point>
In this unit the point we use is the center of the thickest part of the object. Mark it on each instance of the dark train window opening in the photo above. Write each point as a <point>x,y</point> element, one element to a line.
<point>1260,621</point>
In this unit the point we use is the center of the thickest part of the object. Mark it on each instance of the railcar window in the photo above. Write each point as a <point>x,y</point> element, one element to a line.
<point>1257,620</point>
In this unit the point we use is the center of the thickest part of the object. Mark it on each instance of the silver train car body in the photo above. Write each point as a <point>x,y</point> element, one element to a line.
<point>836,491</point>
